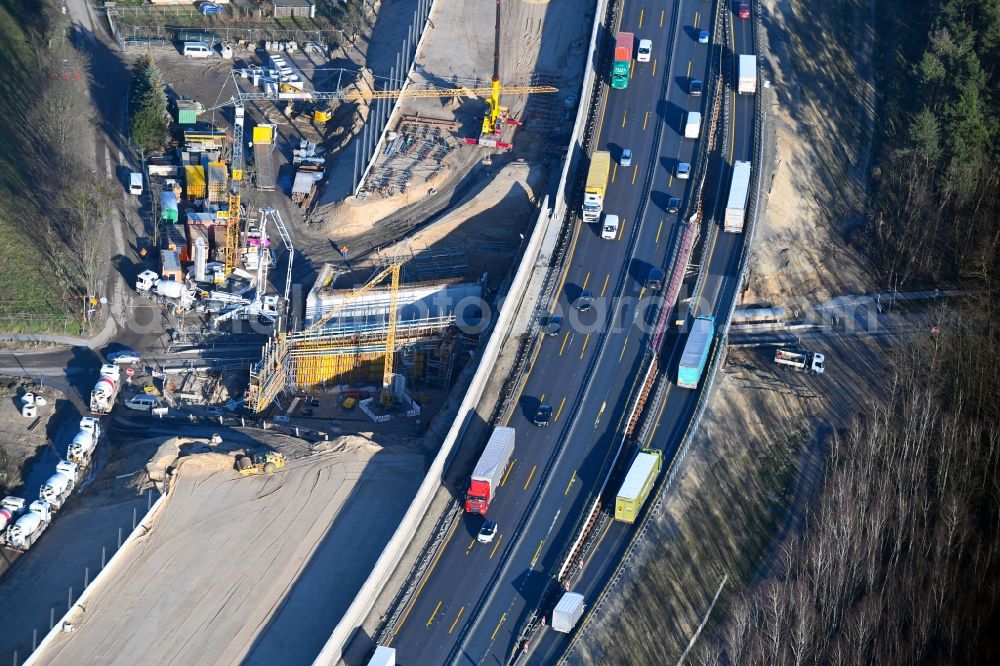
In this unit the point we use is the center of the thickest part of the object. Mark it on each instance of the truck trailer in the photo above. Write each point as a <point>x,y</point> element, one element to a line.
<point>695,355</point>
<point>637,485</point>
<point>597,184</point>
<point>801,360</point>
<point>567,612</point>
<point>739,195</point>
<point>747,75</point>
<point>489,471</point>
<point>102,397</point>
<point>692,127</point>
<point>621,67</point>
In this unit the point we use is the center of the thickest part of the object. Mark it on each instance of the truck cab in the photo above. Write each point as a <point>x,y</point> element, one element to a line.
<point>135,183</point>
<point>610,229</point>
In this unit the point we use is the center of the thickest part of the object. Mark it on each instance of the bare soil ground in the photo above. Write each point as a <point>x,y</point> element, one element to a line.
<point>255,569</point>
<point>20,445</point>
<point>822,115</point>
<point>757,457</point>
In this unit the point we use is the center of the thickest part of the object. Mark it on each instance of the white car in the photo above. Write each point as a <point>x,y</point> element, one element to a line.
<point>610,229</point>
<point>683,170</point>
<point>645,51</point>
<point>125,356</point>
<point>487,533</point>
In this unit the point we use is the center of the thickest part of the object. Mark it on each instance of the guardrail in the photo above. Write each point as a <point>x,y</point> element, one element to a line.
<point>717,358</point>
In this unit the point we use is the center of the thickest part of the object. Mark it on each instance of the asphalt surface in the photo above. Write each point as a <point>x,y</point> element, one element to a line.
<point>469,608</point>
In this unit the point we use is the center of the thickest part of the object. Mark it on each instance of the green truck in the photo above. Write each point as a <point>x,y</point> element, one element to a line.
<point>637,485</point>
<point>621,68</point>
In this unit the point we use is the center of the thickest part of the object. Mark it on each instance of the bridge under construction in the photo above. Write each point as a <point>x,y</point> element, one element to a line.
<point>374,335</point>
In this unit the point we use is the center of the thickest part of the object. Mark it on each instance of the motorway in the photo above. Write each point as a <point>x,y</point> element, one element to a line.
<point>469,607</point>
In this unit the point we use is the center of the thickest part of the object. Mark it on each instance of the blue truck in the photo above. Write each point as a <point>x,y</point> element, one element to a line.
<point>695,355</point>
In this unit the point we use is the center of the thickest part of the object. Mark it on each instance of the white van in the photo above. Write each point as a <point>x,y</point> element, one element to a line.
<point>142,403</point>
<point>610,229</point>
<point>197,50</point>
<point>135,183</point>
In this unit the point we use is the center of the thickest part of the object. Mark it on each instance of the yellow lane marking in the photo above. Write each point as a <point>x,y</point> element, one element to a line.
<point>642,291</point>
<point>635,172</point>
<point>537,552</point>
<point>584,350</point>
<point>471,545</point>
<point>510,467</point>
<point>497,545</point>
<point>670,181</point>
<point>696,17</point>
<point>453,624</point>
<point>586,279</point>
<point>600,413</point>
<point>645,121</point>
<point>565,340</point>
<point>436,609</point>
<point>559,411</point>
<point>654,66</point>
<point>542,399</point>
<point>624,345</point>
<point>530,474</point>
<point>614,172</point>
<point>502,618</point>
<point>624,117</point>
<point>605,287</point>
<point>662,14</point>
<point>658,232</point>
<point>621,227</point>
<point>631,70</point>
<point>570,485</point>
<point>642,13</point>
<point>437,558</point>
<point>689,69</point>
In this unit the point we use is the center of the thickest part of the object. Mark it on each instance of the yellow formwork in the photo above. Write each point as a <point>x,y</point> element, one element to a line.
<point>333,368</point>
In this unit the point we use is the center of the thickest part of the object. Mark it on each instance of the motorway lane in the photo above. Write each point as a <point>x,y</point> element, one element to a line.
<point>718,291</point>
<point>444,609</point>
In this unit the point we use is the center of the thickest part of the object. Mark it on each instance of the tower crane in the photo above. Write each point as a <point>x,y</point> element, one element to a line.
<point>496,116</point>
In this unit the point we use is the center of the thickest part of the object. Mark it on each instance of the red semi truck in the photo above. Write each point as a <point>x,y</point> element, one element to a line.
<point>489,471</point>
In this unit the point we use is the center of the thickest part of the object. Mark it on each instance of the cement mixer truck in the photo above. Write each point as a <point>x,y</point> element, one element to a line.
<point>25,532</point>
<point>57,488</point>
<point>102,398</point>
<point>85,441</point>
<point>149,284</point>
<point>11,508</point>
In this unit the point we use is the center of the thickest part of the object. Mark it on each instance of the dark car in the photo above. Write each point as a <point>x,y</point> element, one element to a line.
<point>553,325</point>
<point>744,10</point>
<point>543,415</point>
<point>654,280</point>
<point>695,88</point>
<point>487,532</point>
<point>673,205</point>
<point>585,301</point>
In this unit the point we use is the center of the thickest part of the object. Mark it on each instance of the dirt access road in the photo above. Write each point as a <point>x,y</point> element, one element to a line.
<point>247,569</point>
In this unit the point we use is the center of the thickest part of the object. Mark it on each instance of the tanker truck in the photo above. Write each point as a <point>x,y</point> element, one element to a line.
<point>23,533</point>
<point>85,441</point>
<point>102,398</point>
<point>57,488</point>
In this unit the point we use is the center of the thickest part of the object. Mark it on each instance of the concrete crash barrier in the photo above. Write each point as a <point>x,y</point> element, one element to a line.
<point>543,236</point>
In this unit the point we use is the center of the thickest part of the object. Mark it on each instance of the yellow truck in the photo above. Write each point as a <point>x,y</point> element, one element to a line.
<point>638,483</point>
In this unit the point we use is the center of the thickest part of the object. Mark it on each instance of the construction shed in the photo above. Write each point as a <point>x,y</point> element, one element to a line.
<point>294,9</point>
<point>170,266</point>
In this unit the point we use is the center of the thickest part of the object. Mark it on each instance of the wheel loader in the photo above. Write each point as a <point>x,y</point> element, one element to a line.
<point>256,463</point>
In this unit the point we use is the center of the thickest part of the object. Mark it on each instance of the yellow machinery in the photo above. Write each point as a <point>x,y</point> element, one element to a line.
<point>268,379</point>
<point>268,462</point>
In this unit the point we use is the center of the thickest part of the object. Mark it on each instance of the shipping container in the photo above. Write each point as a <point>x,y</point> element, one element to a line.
<point>637,484</point>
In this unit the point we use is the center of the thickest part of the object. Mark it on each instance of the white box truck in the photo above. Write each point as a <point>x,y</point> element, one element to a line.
<point>384,656</point>
<point>747,75</point>
<point>568,612</point>
<point>692,128</point>
<point>739,194</point>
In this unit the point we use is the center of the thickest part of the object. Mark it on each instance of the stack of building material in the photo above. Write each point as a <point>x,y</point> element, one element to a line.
<point>218,181</point>
<point>304,187</point>
<point>195,178</point>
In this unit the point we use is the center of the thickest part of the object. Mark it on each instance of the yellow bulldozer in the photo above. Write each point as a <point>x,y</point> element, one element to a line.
<point>256,463</point>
